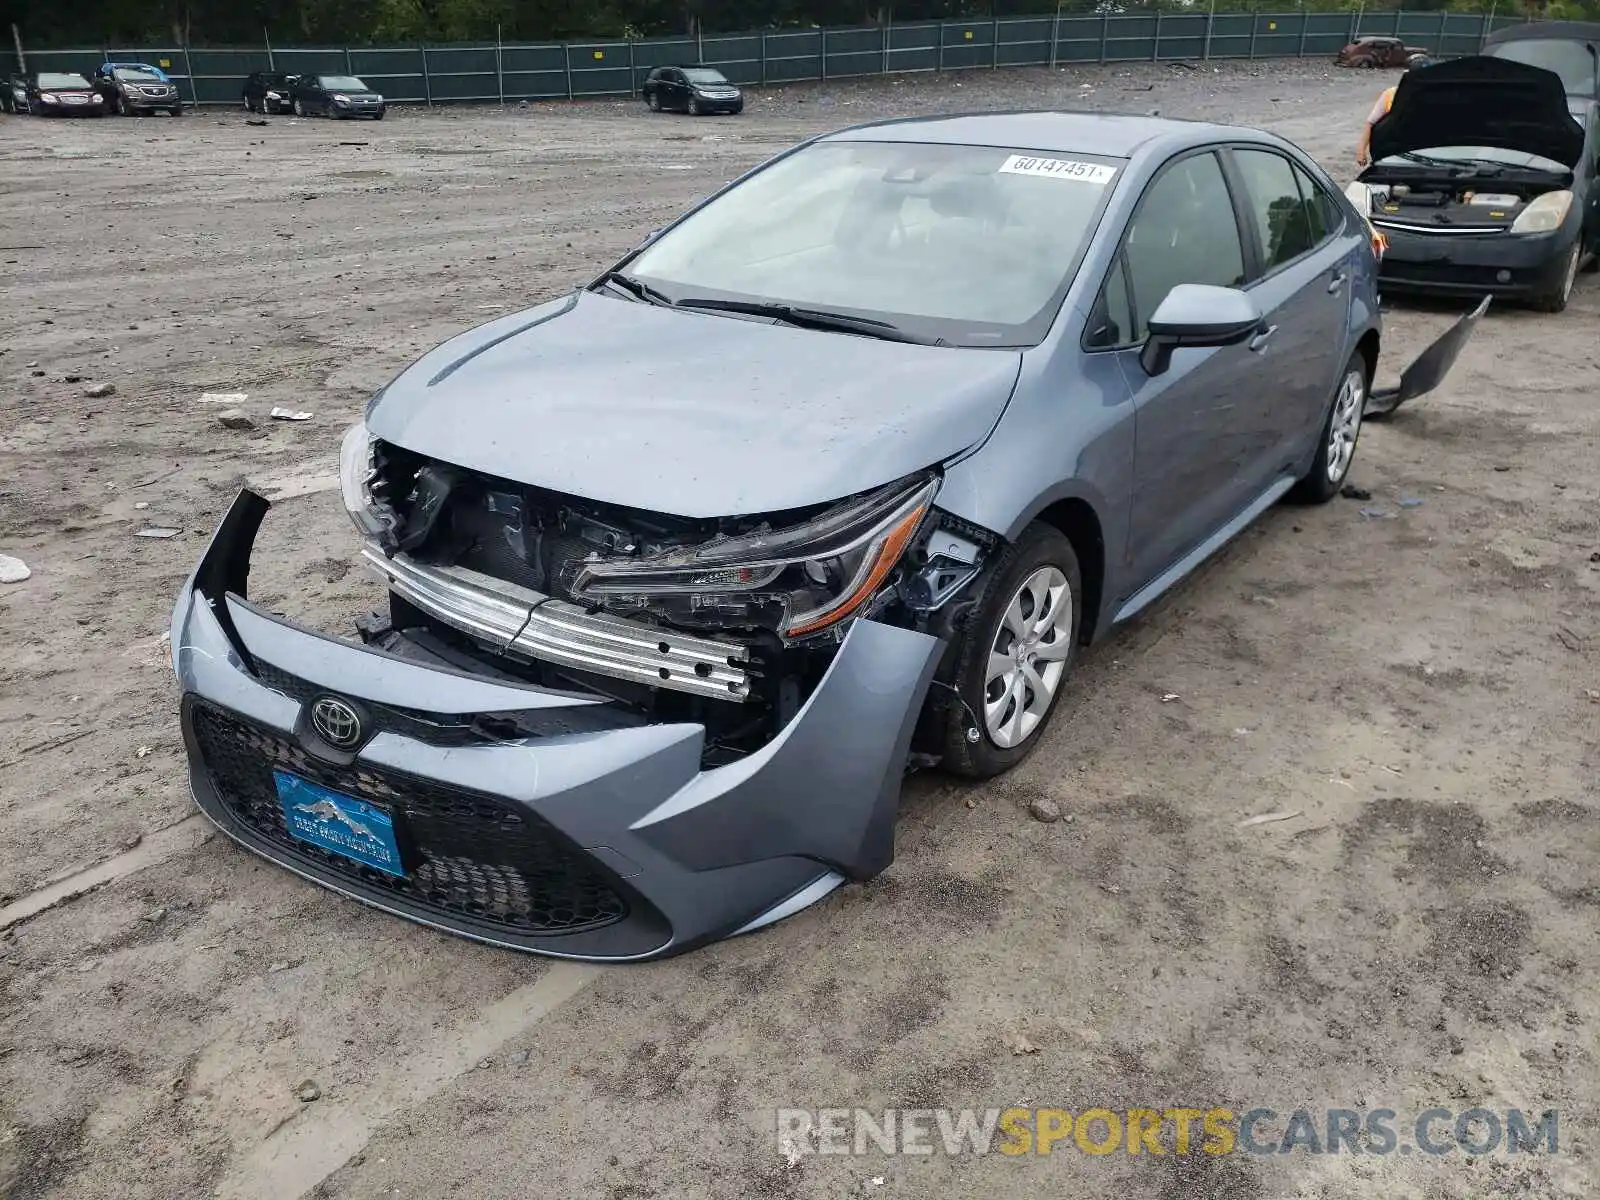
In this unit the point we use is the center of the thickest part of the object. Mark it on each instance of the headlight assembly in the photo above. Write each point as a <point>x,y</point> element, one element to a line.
<point>1544,214</point>
<point>800,580</point>
<point>356,471</point>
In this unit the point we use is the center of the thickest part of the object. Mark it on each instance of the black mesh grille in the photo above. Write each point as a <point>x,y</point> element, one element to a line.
<point>473,855</point>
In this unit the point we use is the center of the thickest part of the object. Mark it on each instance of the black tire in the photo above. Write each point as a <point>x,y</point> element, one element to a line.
<point>378,116</point>
<point>694,106</point>
<point>249,105</point>
<point>653,102</point>
<point>1555,301</point>
<point>968,748</point>
<point>299,107</point>
<point>176,112</point>
<point>1318,485</point>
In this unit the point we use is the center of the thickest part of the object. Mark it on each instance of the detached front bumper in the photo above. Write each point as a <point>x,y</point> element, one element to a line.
<point>1508,265</point>
<point>591,835</point>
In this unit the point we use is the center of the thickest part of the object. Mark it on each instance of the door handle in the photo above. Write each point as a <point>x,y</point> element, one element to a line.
<point>1336,282</point>
<point>1259,342</point>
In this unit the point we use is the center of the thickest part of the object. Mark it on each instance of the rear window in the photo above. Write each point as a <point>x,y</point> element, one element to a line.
<point>1570,60</point>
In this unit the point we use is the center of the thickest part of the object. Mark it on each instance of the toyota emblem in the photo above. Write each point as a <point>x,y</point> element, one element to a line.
<point>336,722</point>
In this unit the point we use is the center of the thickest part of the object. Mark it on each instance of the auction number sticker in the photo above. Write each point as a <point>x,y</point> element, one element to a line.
<point>1058,168</point>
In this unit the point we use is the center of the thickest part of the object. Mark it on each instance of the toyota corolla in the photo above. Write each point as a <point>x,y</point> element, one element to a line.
<point>973,391</point>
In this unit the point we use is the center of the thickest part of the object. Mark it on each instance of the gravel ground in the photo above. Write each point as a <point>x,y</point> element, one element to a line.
<point>1417,688</point>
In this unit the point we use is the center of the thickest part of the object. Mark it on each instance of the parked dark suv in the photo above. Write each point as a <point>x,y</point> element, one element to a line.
<point>693,90</point>
<point>136,91</point>
<point>335,96</point>
<point>269,92</point>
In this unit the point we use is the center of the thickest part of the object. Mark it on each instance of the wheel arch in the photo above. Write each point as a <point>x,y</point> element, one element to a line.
<point>1368,346</point>
<point>1075,518</point>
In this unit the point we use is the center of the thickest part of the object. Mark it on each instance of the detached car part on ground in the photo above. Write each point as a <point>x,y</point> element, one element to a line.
<point>656,659</point>
<point>1485,180</point>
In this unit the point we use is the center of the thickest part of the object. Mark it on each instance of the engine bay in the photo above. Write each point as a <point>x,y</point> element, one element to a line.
<point>552,548</point>
<point>1455,200</point>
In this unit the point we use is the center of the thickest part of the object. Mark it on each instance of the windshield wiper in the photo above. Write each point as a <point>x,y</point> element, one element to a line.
<point>813,318</point>
<point>636,288</point>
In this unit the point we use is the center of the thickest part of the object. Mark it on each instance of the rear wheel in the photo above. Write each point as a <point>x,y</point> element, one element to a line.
<point>1555,300</point>
<point>1013,655</point>
<point>1336,448</point>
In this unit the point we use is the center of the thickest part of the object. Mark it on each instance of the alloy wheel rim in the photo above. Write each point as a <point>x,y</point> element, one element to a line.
<point>1345,426</point>
<point>1027,657</point>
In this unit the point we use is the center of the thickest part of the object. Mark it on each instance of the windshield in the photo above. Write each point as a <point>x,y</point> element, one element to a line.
<point>703,75</point>
<point>971,244</point>
<point>1570,60</point>
<point>344,83</point>
<point>134,75</point>
<point>60,79</point>
<point>1489,156</point>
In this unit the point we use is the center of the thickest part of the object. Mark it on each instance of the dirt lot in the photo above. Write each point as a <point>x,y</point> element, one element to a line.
<point>1416,686</point>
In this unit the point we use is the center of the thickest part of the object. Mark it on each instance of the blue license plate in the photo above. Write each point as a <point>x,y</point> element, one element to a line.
<point>347,826</point>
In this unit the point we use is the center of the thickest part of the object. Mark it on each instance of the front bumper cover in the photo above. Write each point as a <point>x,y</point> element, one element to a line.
<point>1509,265</point>
<point>683,855</point>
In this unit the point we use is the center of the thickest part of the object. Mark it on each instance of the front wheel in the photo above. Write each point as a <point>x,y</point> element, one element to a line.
<point>1556,300</point>
<point>694,106</point>
<point>653,102</point>
<point>1013,655</point>
<point>299,107</point>
<point>1336,446</point>
<point>378,116</point>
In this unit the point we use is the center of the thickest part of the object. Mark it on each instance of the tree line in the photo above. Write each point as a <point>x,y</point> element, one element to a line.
<point>379,22</point>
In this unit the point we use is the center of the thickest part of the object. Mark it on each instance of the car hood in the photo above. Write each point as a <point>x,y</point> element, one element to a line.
<point>1480,102</point>
<point>688,413</point>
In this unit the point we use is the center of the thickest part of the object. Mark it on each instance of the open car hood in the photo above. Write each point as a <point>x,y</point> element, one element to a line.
<point>1480,102</point>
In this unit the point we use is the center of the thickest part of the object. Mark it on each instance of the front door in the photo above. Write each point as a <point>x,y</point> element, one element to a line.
<point>1198,458</point>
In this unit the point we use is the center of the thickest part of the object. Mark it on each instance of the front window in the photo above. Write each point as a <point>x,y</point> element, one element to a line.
<point>60,79</point>
<point>343,83</point>
<point>705,76</point>
<point>1469,156</point>
<point>1570,60</point>
<point>974,245</point>
<point>134,75</point>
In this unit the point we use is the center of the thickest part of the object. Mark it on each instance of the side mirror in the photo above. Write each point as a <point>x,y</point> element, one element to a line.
<point>1197,314</point>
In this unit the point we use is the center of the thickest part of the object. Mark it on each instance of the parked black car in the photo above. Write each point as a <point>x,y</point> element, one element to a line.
<point>136,92</point>
<point>56,93</point>
<point>1472,202</point>
<point>269,92</point>
<point>693,90</point>
<point>335,96</point>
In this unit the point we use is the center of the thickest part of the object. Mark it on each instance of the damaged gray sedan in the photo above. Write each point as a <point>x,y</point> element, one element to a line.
<point>830,479</point>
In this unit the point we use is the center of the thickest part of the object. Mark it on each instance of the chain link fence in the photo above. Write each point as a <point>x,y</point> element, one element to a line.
<point>498,72</point>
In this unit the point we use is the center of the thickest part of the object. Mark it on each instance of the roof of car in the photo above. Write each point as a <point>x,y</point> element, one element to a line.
<point>1577,31</point>
<point>1112,135</point>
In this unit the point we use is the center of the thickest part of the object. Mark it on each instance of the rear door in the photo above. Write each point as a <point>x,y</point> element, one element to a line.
<point>1301,281</point>
<point>1196,461</point>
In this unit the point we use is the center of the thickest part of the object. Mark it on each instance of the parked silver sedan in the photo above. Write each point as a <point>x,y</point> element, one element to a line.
<point>834,476</point>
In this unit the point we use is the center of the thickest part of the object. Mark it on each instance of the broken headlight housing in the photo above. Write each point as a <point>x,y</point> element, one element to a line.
<point>800,581</point>
<point>358,469</point>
